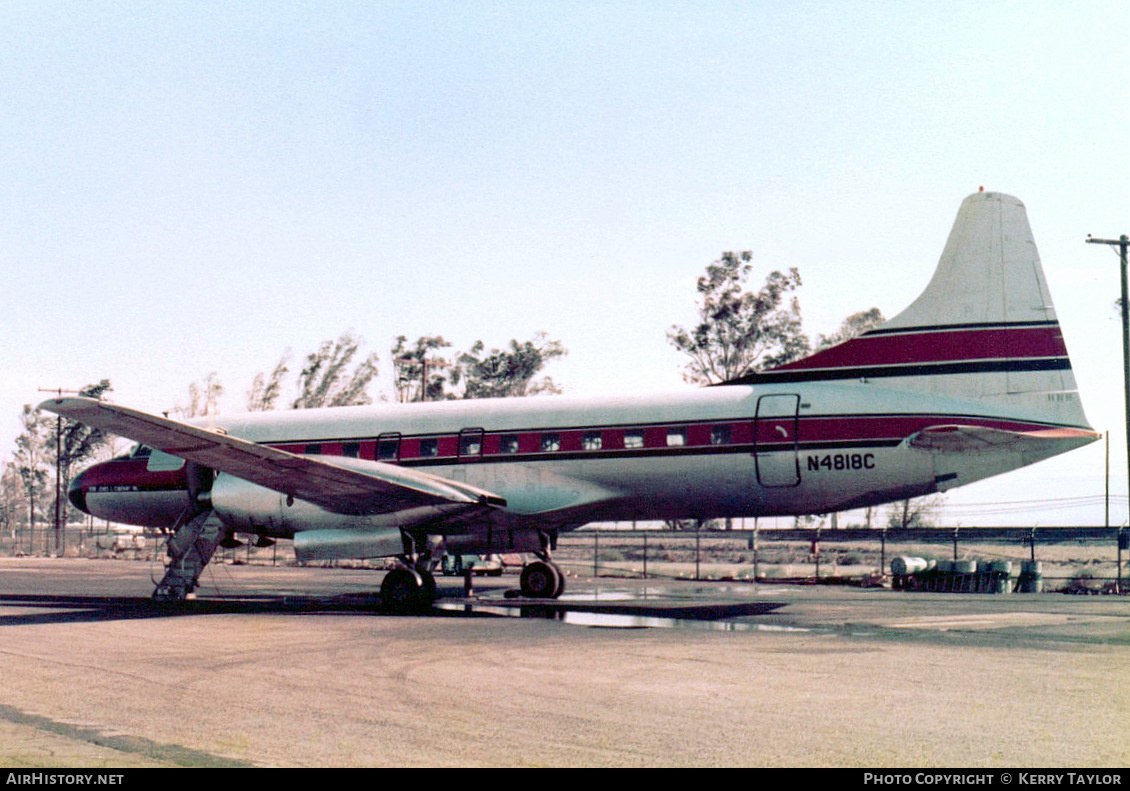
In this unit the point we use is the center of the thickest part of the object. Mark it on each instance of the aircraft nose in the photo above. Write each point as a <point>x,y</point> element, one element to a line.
<point>76,494</point>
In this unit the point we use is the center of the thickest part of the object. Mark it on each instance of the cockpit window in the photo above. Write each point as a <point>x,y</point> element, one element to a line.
<point>140,452</point>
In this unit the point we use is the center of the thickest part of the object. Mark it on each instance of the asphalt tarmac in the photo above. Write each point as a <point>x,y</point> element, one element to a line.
<point>295,667</point>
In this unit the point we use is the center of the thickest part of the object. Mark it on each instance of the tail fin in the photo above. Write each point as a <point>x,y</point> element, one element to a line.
<point>983,329</point>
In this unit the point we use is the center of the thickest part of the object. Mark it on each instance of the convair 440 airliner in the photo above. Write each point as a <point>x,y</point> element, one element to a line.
<point>970,381</point>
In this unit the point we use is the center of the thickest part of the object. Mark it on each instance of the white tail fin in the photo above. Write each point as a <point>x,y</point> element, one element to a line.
<point>983,329</point>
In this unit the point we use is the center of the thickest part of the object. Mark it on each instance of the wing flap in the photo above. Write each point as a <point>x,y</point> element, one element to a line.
<point>343,486</point>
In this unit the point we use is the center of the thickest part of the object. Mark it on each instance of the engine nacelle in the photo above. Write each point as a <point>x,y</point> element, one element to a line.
<point>341,544</point>
<point>248,507</point>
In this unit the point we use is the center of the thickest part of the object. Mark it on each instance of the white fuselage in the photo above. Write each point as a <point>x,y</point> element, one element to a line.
<point>743,450</point>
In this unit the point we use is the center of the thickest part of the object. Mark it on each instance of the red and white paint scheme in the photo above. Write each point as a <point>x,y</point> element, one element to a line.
<point>972,380</point>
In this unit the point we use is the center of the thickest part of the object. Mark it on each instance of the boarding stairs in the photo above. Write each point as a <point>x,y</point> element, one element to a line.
<point>189,550</point>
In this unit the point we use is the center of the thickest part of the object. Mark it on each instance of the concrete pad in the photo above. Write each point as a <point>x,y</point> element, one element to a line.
<point>311,676</point>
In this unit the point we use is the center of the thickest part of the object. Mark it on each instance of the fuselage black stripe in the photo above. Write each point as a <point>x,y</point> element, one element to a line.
<point>984,325</point>
<point>916,369</point>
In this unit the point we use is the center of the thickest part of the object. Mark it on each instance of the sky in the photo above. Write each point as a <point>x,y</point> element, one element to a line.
<point>196,187</point>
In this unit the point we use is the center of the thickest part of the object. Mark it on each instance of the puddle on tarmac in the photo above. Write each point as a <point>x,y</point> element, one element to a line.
<point>670,593</point>
<point>692,619</point>
<point>642,593</point>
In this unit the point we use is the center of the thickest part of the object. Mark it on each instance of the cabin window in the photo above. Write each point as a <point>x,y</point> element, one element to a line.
<point>592,440</point>
<point>388,446</point>
<point>633,438</point>
<point>676,437</point>
<point>470,445</point>
<point>550,442</point>
<point>313,450</point>
<point>720,435</point>
<point>351,449</point>
<point>429,447</point>
<point>508,443</point>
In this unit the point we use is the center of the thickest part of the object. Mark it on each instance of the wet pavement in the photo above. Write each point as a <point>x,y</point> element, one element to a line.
<point>67,591</point>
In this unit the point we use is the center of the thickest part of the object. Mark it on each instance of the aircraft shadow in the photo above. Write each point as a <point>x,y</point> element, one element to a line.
<point>49,609</point>
<point>86,609</point>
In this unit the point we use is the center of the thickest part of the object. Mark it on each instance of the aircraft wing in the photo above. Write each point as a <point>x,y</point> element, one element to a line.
<point>378,488</point>
<point>973,439</point>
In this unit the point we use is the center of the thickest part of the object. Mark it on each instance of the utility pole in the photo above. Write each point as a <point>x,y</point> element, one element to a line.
<point>424,363</point>
<point>1123,242</point>
<point>60,509</point>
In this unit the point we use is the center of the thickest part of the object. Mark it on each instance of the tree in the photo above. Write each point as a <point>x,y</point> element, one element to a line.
<point>75,442</point>
<point>203,397</point>
<point>413,366</point>
<point>507,374</point>
<point>695,525</point>
<point>325,379</point>
<point>740,332</point>
<point>853,325</point>
<point>809,521</point>
<point>919,512</point>
<point>264,392</point>
<point>11,499</point>
<point>31,460</point>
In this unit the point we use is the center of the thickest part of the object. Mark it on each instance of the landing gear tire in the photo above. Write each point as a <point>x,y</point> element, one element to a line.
<point>406,591</point>
<point>542,580</point>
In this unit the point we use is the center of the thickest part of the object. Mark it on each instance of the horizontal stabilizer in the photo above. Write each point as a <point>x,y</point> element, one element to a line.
<point>974,439</point>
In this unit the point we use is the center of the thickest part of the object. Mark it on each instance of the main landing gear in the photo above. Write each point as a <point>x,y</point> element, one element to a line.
<point>407,590</point>
<point>411,586</point>
<point>542,578</point>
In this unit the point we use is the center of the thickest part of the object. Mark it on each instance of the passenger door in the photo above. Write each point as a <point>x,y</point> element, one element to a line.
<point>775,440</point>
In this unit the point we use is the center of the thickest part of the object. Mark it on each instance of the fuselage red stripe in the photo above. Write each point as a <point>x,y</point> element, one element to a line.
<point>940,346</point>
<point>804,433</point>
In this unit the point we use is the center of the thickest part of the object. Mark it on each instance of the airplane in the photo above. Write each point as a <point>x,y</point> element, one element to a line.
<point>971,380</point>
